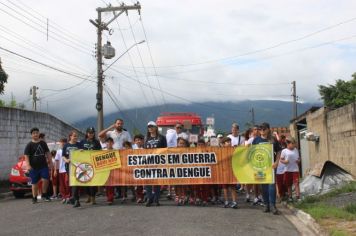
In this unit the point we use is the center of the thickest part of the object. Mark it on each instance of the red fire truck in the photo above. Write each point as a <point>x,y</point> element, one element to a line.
<point>191,121</point>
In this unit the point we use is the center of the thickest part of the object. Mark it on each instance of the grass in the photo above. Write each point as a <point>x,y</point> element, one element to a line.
<point>336,232</point>
<point>330,216</point>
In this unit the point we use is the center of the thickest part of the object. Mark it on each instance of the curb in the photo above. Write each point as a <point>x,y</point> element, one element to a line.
<point>5,195</point>
<point>306,219</point>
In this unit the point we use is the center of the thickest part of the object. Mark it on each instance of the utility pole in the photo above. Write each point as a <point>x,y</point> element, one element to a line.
<point>101,26</point>
<point>294,95</point>
<point>33,92</point>
<point>253,116</point>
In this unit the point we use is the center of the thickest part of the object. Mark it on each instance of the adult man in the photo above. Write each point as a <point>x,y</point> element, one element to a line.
<point>38,158</point>
<point>117,133</point>
<point>269,190</point>
<point>236,139</point>
<point>179,129</point>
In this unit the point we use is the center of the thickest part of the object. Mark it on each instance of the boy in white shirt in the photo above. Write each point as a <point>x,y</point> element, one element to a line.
<point>290,157</point>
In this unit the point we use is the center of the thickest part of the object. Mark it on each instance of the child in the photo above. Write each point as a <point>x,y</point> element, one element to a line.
<point>227,187</point>
<point>109,189</point>
<point>290,157</point>
<point>54,175</point>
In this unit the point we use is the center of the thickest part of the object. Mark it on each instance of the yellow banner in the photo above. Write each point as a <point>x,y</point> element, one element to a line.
<point>90,168</point>
<point>173,166</point>
<point>253,165</point>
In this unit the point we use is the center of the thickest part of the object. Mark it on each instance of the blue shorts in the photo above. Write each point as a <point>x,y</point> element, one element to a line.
<point>36,175</point>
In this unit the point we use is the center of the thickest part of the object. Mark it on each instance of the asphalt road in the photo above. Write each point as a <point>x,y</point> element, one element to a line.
<point>21,217</point>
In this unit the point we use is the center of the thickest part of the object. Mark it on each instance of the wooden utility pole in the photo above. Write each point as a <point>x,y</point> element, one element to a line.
<point>33,92</point>
<point>101,26</point>
<point>294,95</point>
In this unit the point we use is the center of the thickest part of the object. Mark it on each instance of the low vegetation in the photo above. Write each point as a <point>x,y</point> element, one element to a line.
<point>334,218</point>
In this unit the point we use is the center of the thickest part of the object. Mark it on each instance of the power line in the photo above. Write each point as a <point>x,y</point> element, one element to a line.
<point>46,27</point>
<point>266,48</point>
<point>153,64</point>
<point>39,30</point>
<point>48,66</point>
<point>55,25</point>
<point>173,95</point>
<point>33,45</point>
<point>144,68</point>
<point>131,61</point>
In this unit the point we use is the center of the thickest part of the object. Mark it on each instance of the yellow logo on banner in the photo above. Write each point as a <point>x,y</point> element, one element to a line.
<point>92,168</point>
<point>253,164</point>
<point>106,161</point>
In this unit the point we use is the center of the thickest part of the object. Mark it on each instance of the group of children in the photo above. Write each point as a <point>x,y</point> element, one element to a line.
<point>287,173</point>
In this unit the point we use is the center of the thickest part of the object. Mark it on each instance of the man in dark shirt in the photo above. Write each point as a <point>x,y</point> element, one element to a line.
<point>269,190</point>
<point>38,157</point>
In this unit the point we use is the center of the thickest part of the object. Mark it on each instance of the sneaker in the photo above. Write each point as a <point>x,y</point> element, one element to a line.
<point>266,209</point>
<point>204,203</point>
<point>139,201</point>
<point>248,199</point>
<point>70,201</point>
<point>64,201</point>
<point>255,201</point>
<point>109,203</point>
<point>169,197</point>
<point>274,210</point>
<point>149,203</point>
<point>34,200</point>
<point>46,198</point>
<point>226,204</point>
<point>233,205</point>
<point>76,204</point>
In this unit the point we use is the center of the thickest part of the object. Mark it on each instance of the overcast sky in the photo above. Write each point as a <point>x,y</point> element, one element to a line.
<point>194,51</point>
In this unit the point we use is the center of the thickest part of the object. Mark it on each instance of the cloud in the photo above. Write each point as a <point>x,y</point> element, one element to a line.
<point>198,34</point>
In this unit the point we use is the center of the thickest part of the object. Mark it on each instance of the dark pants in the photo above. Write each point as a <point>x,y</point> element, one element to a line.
<point>153,196</point>
<point>269,194</point>
<point>91,191</point>
<point>75,193</point>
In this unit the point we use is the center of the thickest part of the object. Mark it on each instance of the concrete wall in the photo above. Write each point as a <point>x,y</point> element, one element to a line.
<point>337,130</point>
<point>15,125</point>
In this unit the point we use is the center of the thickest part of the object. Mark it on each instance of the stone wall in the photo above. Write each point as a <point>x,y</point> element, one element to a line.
<point>15,125</point>
<point>337,131</point>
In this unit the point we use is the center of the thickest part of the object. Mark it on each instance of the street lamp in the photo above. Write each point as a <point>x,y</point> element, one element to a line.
<point>99,104</point>
<point>142,41</point>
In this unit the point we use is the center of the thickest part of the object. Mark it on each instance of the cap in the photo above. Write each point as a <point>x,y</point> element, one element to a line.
<point>290,139</point>
<point>220,136</point>
<point>264,125</point>
<point>34,129</point>
<point>90,130</point>
<point>152,123</point>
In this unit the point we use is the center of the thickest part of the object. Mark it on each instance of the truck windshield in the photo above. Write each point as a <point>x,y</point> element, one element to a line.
<point>195,129</point>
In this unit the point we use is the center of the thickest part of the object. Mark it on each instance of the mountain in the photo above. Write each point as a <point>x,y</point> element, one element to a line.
<point>277,113</point>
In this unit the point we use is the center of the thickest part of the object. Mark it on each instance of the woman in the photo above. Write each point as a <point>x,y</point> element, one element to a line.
<point>73,144</point>
<point>153,140</point>
<point>90,143</point>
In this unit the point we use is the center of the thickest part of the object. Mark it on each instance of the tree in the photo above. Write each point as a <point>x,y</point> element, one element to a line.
<point>3,79</point>
<point>340,94</point>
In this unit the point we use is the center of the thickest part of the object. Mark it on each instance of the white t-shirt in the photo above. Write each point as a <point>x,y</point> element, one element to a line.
<point>119,138</point>
<point>183,135</point>
<point>292,156</point>
<point>62,168</point>
<point>236,141</point>
<point>281,168</point>
<point>249,141</point>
